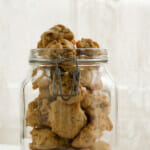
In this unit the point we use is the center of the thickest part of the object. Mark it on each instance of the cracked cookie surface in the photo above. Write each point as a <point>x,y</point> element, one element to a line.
<point>44,139</point>
<point>66,120</point>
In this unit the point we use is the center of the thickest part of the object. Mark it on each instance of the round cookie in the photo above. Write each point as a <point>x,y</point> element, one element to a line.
<point>87,48</point>
<point>87,43</point>
<point>44,138</point>
<point>55,33</point>
<point>66,120</point>
<point>61,47</point>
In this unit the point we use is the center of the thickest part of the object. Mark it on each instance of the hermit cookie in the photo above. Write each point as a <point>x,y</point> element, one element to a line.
<point>61,47</point>
<point>86,48</point>
<point>96,105</point>
<point>87,43</point>
<point>66,120</point>
<point>55,33</point>
<point>104,123</point>
<point>32,117</point>
<point>91,79</point>
<point>87,136</point>
<point>37,114</point>
<point>100,145</point>
<point>44,139</point>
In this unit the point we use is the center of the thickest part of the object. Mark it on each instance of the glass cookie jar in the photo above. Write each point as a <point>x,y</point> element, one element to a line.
<point>68,102</point>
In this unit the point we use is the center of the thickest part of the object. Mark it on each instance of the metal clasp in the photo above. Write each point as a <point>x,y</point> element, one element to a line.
<point>58,73</point>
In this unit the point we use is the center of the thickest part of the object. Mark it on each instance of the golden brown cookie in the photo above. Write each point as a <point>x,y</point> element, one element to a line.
<point>61,47</point>
<point>32,116</point>
<point>91,79</point>
<point>44,139</point>
<point>103,122</point>
<point>96,104</point>
<point>100,145</point>
<point>87,48</point>
<point>87,136</point>
<point>55,33</point>
<point>37,113</point>
<point>66,120</point>
<point>97,107</point>
<point>87,43</point>
<point>44,93</point>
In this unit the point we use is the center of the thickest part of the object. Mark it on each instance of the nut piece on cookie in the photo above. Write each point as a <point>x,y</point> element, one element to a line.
<point>55,33</point>
<point>66,120</point>
<point>37,113</point>
<point>100,145</point>
<point>44,139</point>
<point>87,136</point>
<point>91,79</point>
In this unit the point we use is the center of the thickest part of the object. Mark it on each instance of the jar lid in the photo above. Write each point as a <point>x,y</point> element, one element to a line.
<point>83,55</point>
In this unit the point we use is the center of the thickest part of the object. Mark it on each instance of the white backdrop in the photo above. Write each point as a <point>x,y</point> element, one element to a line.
<point>122,26</point>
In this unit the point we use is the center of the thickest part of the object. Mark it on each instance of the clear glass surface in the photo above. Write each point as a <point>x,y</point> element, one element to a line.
<point>88,120</point>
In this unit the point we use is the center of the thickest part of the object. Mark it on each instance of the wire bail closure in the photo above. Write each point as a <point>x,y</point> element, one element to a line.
<point>58,73</point>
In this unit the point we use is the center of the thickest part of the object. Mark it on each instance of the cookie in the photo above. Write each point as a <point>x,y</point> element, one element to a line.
<point>100,145</point>
<point>44,93</point>
<point>91,79</point>
<point>87,43</point>
<point>32,115</point>
<point>87,136</point>
<point>103,122</point>
<point>44,139</point>
<point>87,48</point>
<point>66,120</point>
<point>37,113</point>
<point>55,33</point>
<point>96,105</point>
<point>61,47</point>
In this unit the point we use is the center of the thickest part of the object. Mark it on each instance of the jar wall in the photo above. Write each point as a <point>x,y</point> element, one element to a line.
<point>87,120</point>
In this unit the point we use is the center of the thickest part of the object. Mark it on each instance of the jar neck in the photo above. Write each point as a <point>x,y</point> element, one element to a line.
<point>92,56</point>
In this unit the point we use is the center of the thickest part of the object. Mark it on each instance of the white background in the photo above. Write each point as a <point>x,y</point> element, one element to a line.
<point>122,26</point>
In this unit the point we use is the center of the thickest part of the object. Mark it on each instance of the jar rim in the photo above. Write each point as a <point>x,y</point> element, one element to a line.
<point>81,57</point>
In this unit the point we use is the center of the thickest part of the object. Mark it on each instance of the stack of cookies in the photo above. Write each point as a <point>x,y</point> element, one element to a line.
<point>75,124</point>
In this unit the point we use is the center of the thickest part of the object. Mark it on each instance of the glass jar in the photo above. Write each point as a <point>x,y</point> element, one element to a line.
<point>68,103</point>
